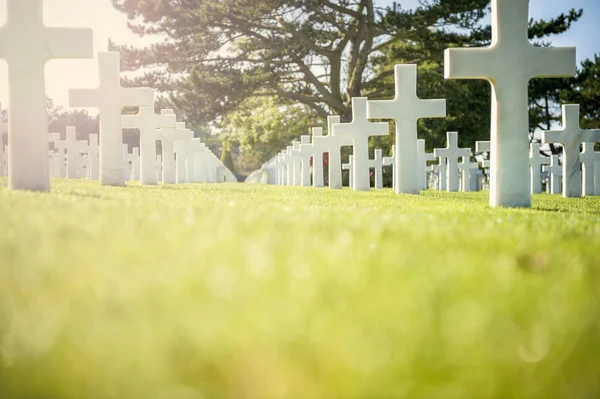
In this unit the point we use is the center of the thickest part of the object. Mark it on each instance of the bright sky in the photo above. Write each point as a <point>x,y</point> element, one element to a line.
<point>107,23</point>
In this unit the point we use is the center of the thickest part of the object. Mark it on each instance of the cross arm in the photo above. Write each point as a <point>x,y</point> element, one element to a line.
<point>468,63</point>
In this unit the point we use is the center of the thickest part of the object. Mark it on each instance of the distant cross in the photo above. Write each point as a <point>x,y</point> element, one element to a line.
<point>60,157</point>
<point>466,166</point>
<point>288,166</point>
<point>483,147</point>
<point>306,154</point>
<point>452,154</point>
<point>73,147</point>
<point>53,169</point>
<point>350,168</point>
<point>377,164</point>
<point>333,146</point>
<point>555,172</point>
<point>423,158</point>
<point>509,64</point>
<point>588,158</point>
<point>317,159</point>
<point>126,163</point>
<point>360,130</point>
<point>536,160</point>
<point>169,136</point>
<point>441,168</point>
<point>147,122</point>
<point>296,163</point>
<point>389,161</point>
<point>406,109</point>
<point>26,45</point>
<point>199,161</point>
<point>110,98</point>
<point>571,136</point>
<point>134,160</point>
<point>183,151</point>
<point>93,151</point>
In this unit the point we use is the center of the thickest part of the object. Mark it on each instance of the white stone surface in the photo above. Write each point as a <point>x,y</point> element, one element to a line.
<point>451,154</point>
<point>333,146</point>
<point>296,164</point>
<point>350,168</point>
<point>536,161</point>
<point>147,122</point>
<point>509,64</point>
<point>110,98</point>
<point>318,178</point>
<point>360,130</point>
<point>390,161</point>
<point>26,45</point>
<point>571,136</point>
<point>93,151</point>
<point>588,158</point>
<point>555,172</point>
<point>441,168</point>
<point>423,158</point>
<point>72,148</point>
<point>377,164</point>
<point>169,136</point>
<point>406,109</point>
<point>306,155</point>
<point>465,167</point>
<point>597,177</point>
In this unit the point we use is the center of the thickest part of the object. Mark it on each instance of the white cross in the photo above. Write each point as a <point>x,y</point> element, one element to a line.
<point>73,147</point>
<point>536,161</point>
<point>377,164</point>
<point>571,136</point>
<point>110,98</point>
<point>317,159</point>
<point>509,64</point>
<point>333,146</point>
<point>53,164</point>
<point>169,136</point>
<point>295,164</point>
<point>306,154</point>
<point>465,167</point>
<point>555,172</point>
<point>423,157</point>
<point>360,130</point>
<point>27,44</point>
<point>147,122</point>
<point>452,154</point>
<point>588,158</point>
<point>350,168</point>
<point>60,157</point>
<point>441,168</point>
<point>288,168</point>
<point>93,151</point>
<point>183,151</point>
<point>406,109</point>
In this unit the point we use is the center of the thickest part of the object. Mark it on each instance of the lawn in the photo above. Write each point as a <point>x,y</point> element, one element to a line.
<point>240,291</point>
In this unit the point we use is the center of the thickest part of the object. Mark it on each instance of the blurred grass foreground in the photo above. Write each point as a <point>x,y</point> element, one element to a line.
<point>238,291</point>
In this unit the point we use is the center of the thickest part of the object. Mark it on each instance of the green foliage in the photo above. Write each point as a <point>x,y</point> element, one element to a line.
<point>236,291</point>
<point>584,89</point>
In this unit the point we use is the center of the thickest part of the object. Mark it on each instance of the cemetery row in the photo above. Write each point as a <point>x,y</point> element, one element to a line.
<point>456,169</point>
<point>33,155</point>
<point>508,64</point>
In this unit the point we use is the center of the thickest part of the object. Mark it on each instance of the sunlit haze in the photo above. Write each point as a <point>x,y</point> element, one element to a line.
<point>106,22</point>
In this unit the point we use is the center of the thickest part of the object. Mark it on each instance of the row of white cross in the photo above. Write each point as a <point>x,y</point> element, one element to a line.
<point>28,158</point>
<point>303,160</point>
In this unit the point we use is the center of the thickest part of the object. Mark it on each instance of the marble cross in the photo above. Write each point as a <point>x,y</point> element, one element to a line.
<point>110,98</point>
<point>377,164</point>
<point>484,147</point>
<point>441,168</point>
<point>289,166</point>
<point>571,136</point>
<point>73,148</point>
<point>134,160</point>
<point>536,160</point>
<point>555,172</point>
<point>588,158</point>
<point>466,166</point>
<point>452,154</point>
<point>147,122</point>
<point>509,64</point>
<point>360,130</point>
<point>296,163</point>
<point>317,159</point>
<point>93,151</point>
<point>26,45</point>
<point>306,154</point>
<point>169,136</point>
<point>423,158</point>
<point>333,146</point>
<point>183,151</point>
<point>60,157</point>
<point>389,161</point>
<point>350,168</point>
<point>406,109</point>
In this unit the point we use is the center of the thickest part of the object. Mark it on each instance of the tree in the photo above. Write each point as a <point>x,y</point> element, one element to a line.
<point>584,89</point>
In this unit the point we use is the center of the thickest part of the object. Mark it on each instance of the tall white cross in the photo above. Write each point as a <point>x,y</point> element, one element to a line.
<point>555,172</point>
<point>588,158</point>
<point>406,109</point>
<point>452,154</point>
<point>377,164</point>
<point>571,136</point>
<point>423,157</point>
<point>350,168</point>
<point>110,98</point>
<point>333,146</point>
<point>306,154</point>
<point>359,130</point>
<point>147,122</point>
<point>317,158</point>
<point>169,136</point>
<point>509,64</point>
<point>93,151</point>
<point>536,161</point>
<point>26,45</point>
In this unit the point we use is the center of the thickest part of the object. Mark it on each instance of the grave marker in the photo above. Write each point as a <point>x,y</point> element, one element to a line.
<point>423,158</point>
<point>317,159</point>
<point>588,159</point>
<point>555,172</point>
<point>536,161</point>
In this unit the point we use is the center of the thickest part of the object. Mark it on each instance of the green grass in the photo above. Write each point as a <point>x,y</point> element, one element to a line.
<point>238,291</point>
